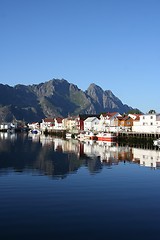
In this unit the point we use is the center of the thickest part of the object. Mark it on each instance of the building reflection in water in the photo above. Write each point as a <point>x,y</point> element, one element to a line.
<point>147,157</point>
<point>58,157</point>
<point>107,152</point>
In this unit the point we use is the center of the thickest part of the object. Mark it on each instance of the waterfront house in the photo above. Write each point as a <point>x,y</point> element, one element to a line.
<point>81,118</point>
<point>7,126</point>
<point>147,123</point>
<point>107,122</point>
<point>91,124</point>
<point>125,123</point>
<point>58,123</point>
<point>70,124</point>
<point>47,124</point>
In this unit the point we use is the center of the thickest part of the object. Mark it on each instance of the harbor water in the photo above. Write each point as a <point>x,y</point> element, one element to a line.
<point>52,188</point>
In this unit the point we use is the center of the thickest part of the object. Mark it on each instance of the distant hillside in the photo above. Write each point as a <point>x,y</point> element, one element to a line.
<point>55,98</point>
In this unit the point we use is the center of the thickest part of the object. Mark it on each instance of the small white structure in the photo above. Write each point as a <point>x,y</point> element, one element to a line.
<point>58,123</point>
<point>91,124</point>
<point>34,125</point>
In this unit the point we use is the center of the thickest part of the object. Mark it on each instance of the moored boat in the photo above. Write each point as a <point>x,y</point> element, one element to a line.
<point>90,135</point>
<point>35,131</point>
<point>87,135</point>
<point>105,136</point>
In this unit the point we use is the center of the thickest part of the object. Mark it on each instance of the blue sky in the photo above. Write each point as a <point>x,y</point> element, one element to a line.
<point>112,43</point>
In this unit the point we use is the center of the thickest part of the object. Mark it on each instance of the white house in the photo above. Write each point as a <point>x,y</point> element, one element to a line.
<point>147,123</point>
<point>91,124</point>
<point>58,123</point>
<point>47,124</point>
<point>107,123</point>
<point>6,126</point>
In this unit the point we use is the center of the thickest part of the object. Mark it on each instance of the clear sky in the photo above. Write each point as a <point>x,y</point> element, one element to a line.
<point>112,43</point>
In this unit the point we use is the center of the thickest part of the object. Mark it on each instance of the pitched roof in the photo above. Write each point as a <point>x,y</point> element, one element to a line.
<point>134,116</point>
<point>90,119</point>
<point>59,120</point>
<point>48,120</point>
<point>109,114</point>
<point>84,116</point>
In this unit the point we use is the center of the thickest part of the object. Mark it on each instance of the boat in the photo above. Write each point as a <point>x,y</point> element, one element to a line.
<point>87,135</point>
<point>90,135</point>
<point>156,142</point>
<point>106,136</point>
<point>35,131</point>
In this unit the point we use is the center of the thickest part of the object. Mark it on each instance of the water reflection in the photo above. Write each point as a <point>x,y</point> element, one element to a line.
<point>57,158</point>
<point>147,157</point>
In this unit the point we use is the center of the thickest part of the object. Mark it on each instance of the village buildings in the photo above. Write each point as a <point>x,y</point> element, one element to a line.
<point>104,122</point>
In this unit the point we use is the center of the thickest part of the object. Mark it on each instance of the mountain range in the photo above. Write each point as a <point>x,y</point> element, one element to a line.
<point>55,98</point>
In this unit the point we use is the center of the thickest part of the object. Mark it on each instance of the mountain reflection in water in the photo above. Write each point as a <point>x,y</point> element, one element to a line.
<point>66,189</point>
<point>57,157</point>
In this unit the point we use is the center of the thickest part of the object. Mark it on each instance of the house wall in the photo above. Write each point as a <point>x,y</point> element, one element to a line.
<point>147,124</point>
<point>91,125</point>
<point>47,124</point>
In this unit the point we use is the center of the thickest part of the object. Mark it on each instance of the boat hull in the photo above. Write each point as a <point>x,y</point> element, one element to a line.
<point>109,137</point>
<point>87,135</point>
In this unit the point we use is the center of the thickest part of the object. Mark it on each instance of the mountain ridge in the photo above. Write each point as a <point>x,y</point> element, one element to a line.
<point>55,98</point>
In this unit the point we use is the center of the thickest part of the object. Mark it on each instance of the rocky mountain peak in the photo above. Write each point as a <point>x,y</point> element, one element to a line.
<point>55,98</point>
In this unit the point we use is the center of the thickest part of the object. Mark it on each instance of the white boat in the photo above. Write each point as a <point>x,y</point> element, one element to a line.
<point>87,135</point>
<point>157,142</point>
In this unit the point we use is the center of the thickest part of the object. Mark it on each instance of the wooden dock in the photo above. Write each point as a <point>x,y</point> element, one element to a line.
<point>138,135</point>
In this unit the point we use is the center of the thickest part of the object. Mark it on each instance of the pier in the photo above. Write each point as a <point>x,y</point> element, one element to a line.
<point>57,133</point>
<point>133,138</point>
<point>138,135</point>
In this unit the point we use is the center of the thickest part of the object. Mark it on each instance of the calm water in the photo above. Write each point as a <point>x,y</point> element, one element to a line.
<point>56,189</point>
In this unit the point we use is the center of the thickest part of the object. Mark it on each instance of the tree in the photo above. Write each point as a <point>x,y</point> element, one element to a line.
<point>134,111</point>
<point>152,111</point>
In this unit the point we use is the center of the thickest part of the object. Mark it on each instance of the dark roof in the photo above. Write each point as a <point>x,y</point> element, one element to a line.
<point>85,116</point>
